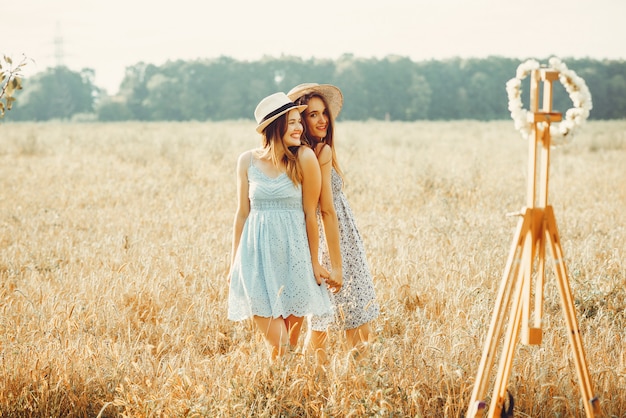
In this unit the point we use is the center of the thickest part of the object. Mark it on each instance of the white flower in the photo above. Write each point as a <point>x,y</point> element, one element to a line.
<point>575,87</point>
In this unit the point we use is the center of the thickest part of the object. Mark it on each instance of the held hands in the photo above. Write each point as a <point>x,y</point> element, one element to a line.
<point>335,280</point>
<point>320,272</point>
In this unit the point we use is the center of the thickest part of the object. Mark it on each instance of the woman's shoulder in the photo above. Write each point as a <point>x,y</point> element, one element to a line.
<point>248,155</point>
<point>245,158</point>
<point>306,157</point>
<point>323,151</point>
<point>305,152</point>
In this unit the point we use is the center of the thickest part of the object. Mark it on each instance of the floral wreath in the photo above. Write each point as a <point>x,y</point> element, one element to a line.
<point>575,87</point>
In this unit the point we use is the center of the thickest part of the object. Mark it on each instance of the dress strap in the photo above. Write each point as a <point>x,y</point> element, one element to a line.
<point>319,149</point>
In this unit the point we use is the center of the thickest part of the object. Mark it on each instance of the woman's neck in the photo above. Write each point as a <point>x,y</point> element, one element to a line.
<point>275,155</point>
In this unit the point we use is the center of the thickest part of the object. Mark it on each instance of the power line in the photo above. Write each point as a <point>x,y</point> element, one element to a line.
<point>59,50</point>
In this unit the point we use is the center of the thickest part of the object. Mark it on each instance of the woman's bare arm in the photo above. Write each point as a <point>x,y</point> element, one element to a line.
<point>329,218</point>
<point>311,187</point>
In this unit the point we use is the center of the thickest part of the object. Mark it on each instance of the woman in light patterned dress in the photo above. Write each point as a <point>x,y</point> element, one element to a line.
<point>275,276</point>
<point>355,303</point>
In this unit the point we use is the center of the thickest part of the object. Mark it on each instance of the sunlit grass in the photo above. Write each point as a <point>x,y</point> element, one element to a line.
<point>114,250</point>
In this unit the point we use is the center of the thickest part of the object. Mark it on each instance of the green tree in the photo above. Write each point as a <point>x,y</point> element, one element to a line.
<point>194,78</point>
<point>617,91</point>
<point>113,109</point>
<point>420,95</point>
<point>134,90</point>
<point>478,104</point>
<point>350,79</point>
<point>162,101</point>
<point>57,93</point>
<point>394,87</point>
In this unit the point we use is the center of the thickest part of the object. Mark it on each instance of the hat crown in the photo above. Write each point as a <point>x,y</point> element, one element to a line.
<point>302,87</point>
<point>331,94</point>
<point>272,107</point>
<point>271,104</point>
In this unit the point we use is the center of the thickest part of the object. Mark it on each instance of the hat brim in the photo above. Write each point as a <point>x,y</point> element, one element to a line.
<point>261,127</point>
<point>331,94</point>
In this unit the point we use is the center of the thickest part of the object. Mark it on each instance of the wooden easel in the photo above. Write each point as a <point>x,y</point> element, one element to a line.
<point>536,230</point>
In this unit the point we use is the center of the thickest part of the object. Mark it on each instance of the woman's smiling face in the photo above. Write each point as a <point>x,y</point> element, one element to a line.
<point>294,129</point>
<point>316,118</point>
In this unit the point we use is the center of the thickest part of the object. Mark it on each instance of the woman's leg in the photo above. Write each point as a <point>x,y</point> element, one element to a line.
<point>294,326</point>
<point>359,337</point>
<point>317,343</point>
<point>275,333</point>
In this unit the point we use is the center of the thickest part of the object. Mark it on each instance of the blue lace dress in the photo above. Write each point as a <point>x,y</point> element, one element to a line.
<point>355,304</point>
<point>272,274</point>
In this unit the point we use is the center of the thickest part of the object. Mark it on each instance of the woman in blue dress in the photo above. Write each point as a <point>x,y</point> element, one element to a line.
<point>275,276</point>
<point>355,303</point>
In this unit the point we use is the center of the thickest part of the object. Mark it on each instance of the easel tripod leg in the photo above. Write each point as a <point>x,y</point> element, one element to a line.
<point>503,300</point>
<point>508,349</point>
<point>591,403</point>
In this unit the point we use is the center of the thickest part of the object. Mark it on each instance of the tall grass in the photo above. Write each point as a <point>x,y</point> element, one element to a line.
<point>114,250</point>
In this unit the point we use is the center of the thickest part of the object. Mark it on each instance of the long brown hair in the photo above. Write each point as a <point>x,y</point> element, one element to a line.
<point>330,133</point>
<point>273,134</point>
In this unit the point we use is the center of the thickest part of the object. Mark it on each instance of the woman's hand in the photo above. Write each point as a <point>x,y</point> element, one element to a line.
<point>320,273</point>
<point>335,280</point>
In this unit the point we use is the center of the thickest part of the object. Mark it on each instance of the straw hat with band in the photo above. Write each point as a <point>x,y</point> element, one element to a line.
<point>331,94</point>
<point>271,107</point>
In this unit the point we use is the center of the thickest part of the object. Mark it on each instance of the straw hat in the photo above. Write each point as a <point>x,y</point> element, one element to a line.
<point>331,94</point>
<point>271,107</point>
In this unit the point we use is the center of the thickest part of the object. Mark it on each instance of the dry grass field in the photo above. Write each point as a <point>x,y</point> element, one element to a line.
<point>114,250</point>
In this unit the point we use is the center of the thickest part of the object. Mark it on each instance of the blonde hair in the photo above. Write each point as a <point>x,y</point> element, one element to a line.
<point>273,134</point>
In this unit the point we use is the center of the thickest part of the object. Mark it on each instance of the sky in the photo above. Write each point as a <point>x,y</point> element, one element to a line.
<point>110,35</point>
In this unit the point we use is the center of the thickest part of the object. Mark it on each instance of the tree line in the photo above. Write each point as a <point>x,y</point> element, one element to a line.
<point>391,88</point>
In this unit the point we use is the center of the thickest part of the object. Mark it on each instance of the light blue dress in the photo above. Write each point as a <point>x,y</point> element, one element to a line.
<point>272,274</point>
